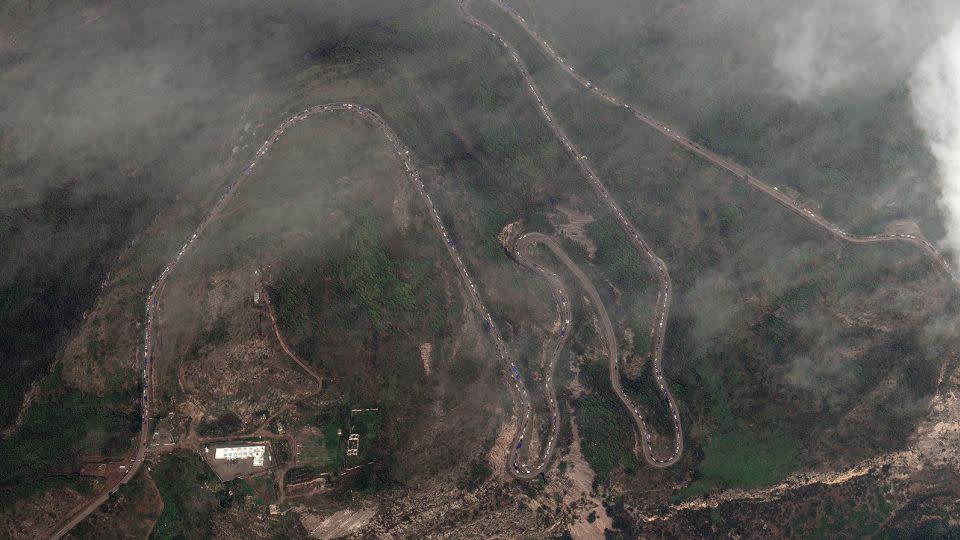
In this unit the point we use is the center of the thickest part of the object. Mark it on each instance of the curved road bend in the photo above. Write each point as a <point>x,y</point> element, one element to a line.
<point>610,336</point>
<point>659,268</point>
<point>731,167</point>
<point>403,153</point>
<point>553,347</point>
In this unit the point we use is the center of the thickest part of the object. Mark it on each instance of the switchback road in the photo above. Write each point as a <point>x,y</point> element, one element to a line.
<point>610,337</point>
<point>151,305</point>
<point>658,267</point>
<point>731,167</point>
<point>552,349</point>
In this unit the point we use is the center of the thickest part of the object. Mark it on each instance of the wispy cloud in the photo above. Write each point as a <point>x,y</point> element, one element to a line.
<point>935,93</point>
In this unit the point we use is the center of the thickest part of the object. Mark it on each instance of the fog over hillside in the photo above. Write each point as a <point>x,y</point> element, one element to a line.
<point>114,113</point>
<point>818,96</point>
<point>935,89</point>
<point>832,45</point>
<point>860,45</point>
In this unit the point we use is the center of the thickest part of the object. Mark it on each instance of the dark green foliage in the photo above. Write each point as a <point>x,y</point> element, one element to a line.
<point>368,290</point>
<point>615,253</point>
<point>191,495</point>
<point>217,333</point>
<point>281,452</point>
<point>465,371</point>
<point>643,391</point>
<point>622,522</point>
<point>743,459</point>
<point>225,424</point>
<point>369,278</point>
<point>43,294</point>
<point>303,474</point>
<point>130,501</point>
<point>605,429</point>
<point>626,268</point>
<point>60,425</point>
<point>477,475</point>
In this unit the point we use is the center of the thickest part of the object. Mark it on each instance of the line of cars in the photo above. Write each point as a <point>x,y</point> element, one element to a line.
<point>725,164</point>
<point>660,268</point>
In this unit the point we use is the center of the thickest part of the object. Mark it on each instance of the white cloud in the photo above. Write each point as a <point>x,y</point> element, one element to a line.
<point>935,93</point>
<point>830,45</point>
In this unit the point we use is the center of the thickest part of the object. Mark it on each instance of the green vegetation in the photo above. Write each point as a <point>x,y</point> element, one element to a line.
<point>281,452</point>
<point>331,444</point>
<point>224,424</point>
<point>759,296</point>
<point>626,268</point>
<point>851,523</point>
<point>937,528</point>
<point>192,495</point>
<point>623,522</point>
<point>644,393</point>
<point>478,473</point>
<point>217,333</point>
<point>325,451</point>
<point>369,278</point>
<point>854,509</point>
<point>843,148</point>
<point>44,292</point>
<point>605,429</point>
<point>62,424</point>
<point>742,459</point>
<point>304,473</point>
<point>464,372</point>
<point>259,488</point>
<point>368,291</point>
<point>129,511</point>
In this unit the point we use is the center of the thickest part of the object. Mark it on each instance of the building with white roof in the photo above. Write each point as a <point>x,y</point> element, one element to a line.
<point>242,452</point>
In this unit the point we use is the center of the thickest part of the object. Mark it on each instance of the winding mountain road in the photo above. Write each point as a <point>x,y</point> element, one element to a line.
<point>728,165</point>
<point>552,348</point>
<point>610,336</point>
<point>152,302</point>
<point>658,267</point>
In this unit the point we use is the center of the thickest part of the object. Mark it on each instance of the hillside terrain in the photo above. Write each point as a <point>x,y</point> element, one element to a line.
<point>461,269</point>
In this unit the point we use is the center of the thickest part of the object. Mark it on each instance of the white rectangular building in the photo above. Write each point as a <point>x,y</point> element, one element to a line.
<point>242,452</point>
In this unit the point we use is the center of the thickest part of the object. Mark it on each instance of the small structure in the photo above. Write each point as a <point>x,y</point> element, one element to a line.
<point>256,298</point>
<point>353,444</point>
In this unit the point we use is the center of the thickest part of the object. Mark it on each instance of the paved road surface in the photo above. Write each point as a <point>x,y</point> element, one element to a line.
<point>151,305</point>
<point>610,337</point>
<point>728,165</point>
<point>553,347</point>
<point>658,267</point>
